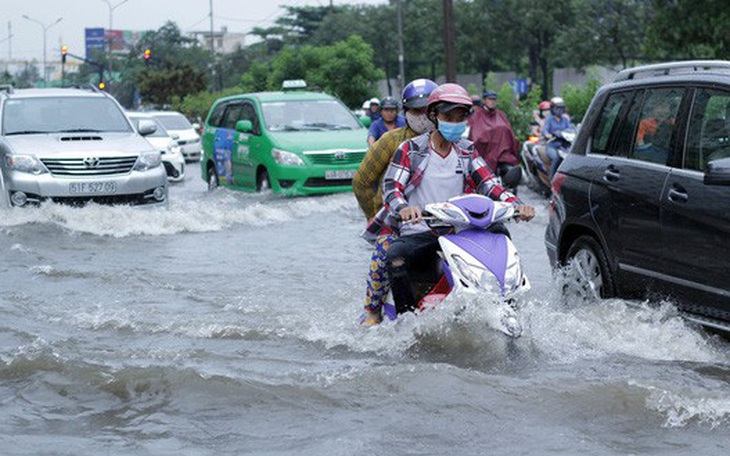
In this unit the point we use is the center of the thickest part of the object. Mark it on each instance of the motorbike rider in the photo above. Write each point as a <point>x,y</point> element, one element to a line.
<point>557,122</point>
<point>493,138</point>
<point>543,111</point>
<point>431,167</point>
<point>389,119</point>
<point>374,109</point>
<point>367,186</point>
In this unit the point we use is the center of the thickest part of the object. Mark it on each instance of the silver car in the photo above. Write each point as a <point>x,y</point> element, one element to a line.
<point>74,146</point>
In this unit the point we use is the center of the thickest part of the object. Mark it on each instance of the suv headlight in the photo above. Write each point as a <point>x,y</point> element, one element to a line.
<point>26,164</point>
<point>283,157</point>
<point>148,160</point>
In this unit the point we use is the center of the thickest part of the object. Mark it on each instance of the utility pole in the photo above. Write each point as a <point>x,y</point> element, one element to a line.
<point>449,41</point>
<point>213,84</point>
<point>401,64</point>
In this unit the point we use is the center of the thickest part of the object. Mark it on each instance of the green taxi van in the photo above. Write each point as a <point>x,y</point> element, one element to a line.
<point>295,142</point>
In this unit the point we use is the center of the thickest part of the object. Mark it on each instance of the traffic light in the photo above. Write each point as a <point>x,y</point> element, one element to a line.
<point>102,85</point>
<point>64,51</point>
<point>147,56</point>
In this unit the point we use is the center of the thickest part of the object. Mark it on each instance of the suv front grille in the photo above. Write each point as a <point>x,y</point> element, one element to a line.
<point>102,166</point>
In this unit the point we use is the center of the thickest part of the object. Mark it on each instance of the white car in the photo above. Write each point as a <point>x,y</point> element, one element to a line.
<point>167,144</point>
<point>188,138</point>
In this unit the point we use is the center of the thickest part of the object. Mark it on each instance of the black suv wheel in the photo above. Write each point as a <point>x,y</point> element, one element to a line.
<point>587,275</point>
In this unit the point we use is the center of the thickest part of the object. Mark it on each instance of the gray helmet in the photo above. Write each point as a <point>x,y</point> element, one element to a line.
<point>389,103</point>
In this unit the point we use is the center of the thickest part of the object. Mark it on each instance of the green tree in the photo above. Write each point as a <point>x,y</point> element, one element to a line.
<point>578,97</point>
<point>160,86</point>
<point>686,29</point>
<point>344,69</point>
<point>197,105</point>
<point>603,32</point>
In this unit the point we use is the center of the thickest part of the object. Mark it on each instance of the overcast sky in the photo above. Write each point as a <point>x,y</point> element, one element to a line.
<point>239,16</point>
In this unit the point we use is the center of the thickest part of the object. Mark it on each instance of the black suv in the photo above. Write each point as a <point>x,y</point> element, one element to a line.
<point>640,208</point>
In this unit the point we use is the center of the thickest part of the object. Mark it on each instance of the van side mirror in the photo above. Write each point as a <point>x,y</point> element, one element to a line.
<point>244,126</point>
<point>718,172</point>
<point>366,121</point>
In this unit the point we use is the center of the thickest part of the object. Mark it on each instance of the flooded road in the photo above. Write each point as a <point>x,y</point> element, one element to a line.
<point>226,324</point>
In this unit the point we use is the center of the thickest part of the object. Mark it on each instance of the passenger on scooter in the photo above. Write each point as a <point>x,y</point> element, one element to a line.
<point>429,168</point>
<point>556,123</point>
<point>367,186</point>
<point>389,120</point>
<point>493,138</point>
<point>543,111</point>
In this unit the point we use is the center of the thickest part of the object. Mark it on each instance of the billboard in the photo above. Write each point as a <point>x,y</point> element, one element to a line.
<point>95,42</point>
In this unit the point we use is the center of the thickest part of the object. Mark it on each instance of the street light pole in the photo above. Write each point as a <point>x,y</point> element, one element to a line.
<point>111,27</point>
<point>45,29</point>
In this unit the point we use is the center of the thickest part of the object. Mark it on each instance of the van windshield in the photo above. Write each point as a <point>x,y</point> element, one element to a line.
<point>297,115</point>
<point>63,115</point>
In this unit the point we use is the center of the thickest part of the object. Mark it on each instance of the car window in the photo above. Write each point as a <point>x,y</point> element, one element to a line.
<point>656,131</point>
<point>216,117</point>
<point>248,112</point>
<point>63,115</point>
<point>709,128</point>
<point>608,122</point>
<point>296,115</point>
<point>231,116</point>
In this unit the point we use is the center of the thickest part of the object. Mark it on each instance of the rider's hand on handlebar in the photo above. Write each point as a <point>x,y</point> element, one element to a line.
<point>410,214</point>
<point>525,213</point>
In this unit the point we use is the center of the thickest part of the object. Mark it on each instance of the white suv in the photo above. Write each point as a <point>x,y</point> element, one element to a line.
<point>74,146</point>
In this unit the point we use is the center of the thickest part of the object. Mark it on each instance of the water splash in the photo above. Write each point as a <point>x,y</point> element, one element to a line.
<point>212,213</point>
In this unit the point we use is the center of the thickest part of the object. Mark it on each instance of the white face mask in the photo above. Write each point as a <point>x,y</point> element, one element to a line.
<point>419,122</point>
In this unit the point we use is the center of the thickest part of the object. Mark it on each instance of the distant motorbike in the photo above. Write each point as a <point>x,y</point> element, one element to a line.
<point>536,162</point>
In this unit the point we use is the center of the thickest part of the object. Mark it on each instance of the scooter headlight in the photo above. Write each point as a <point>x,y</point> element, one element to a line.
<point>467,271</point>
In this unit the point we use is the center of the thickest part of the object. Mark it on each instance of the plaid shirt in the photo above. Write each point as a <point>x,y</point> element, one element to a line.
<point>405,173</point>
<point>367,182</point>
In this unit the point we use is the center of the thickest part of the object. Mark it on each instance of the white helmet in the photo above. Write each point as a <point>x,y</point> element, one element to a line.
<point>374,101</point>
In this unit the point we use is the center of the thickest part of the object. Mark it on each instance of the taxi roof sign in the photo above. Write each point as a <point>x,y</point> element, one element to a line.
<point>293,84</point>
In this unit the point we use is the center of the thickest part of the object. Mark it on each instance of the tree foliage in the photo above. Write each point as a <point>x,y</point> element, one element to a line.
<point>160,86</point>
<point>344,69</point>
<point>529,37</point>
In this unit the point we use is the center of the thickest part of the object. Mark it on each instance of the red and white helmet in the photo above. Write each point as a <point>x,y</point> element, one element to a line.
<point>449,93</point>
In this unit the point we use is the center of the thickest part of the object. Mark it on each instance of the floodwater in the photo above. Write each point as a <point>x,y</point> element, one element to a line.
<point>226,325</point>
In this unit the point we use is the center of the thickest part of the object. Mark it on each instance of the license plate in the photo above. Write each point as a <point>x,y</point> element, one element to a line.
<point>92,188</point>
<point>339,174</point>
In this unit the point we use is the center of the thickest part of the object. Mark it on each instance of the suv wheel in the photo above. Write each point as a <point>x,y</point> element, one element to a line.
<point>212,179</point>
<point>587,275</point>
<point>263,183</point>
